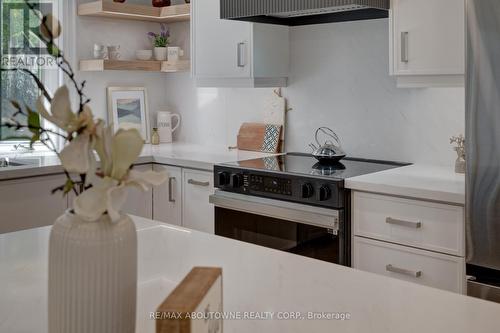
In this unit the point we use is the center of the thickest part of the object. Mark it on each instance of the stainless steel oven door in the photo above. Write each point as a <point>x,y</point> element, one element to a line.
<point>310,231</point>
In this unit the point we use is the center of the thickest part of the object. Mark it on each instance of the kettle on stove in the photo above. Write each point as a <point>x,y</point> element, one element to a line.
<point>328,152</point>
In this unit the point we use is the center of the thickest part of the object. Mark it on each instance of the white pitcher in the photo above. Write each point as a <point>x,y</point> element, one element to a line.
<point>164,124</point>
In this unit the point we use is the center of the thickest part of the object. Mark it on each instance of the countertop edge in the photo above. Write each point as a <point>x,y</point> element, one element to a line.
<point>410,192</point>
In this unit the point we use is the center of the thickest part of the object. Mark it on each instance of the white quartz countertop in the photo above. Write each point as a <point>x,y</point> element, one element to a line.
<point>179,154</point>
<point>255,279</point>
<point>416,181</point>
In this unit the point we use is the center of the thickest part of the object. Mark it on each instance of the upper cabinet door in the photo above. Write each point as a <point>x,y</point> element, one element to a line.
<point>229,53</point>
<point>221,47</point>
<point>428,37</point>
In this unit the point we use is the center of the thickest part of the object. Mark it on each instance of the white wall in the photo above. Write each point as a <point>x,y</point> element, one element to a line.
<point>130,35</point>
<point>339,78</point>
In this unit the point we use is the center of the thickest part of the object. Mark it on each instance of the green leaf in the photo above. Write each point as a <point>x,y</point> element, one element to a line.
<point>34,139</point>
<point>53,50</point>
<point>34,122</point>
<point>68,187</point>
<point>34,126</point>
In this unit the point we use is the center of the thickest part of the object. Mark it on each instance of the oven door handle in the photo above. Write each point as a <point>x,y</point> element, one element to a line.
<point>284,210</point>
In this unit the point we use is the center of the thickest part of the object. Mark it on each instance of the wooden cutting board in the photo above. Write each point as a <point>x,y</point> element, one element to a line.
<point>260,137</point>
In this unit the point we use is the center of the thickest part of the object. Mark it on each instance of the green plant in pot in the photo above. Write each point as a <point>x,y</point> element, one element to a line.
<point>160,42</point>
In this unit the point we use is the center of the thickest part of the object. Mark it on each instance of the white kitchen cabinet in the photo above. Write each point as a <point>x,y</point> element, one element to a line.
<point>409,264</point>
<point>197,212</point>
<point>409,239</point>
<point>167,198</point>
<point>28,203</point>
<point>236,54</point>
<point>426,225</point>
<point>427,42</point>
<point>139,203</point>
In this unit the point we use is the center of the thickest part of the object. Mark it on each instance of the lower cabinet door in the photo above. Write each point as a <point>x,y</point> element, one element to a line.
<point>197,212</point>
<point>167,198</point>
<point>28,203</point>
<point>139,203</point>
<point>405,263</point>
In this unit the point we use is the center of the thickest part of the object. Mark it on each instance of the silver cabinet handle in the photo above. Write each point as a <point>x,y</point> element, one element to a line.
<point>394,269</point>
<point>404,46</point>
<point>198,183</point>
<point>241,59</point>
<point>403,223</point>
<point>171,181</point>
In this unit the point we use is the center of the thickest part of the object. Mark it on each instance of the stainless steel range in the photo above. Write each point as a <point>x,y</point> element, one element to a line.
<point>290,203</point>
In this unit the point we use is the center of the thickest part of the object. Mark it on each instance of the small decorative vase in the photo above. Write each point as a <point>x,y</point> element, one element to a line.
<point>155,137</point>
<point>92,275</point>
<point>160,53</point>
<point>161,3</point>
<point>460,163</point>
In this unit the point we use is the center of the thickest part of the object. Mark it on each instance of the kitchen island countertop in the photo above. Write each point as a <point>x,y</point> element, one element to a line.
<point>254,279</point>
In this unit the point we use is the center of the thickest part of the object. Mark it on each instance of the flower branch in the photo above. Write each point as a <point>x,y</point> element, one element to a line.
<point>101,189</point>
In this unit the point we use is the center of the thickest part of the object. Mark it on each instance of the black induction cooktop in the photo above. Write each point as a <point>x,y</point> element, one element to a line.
<point>307,165</point>
<point>295,177</point>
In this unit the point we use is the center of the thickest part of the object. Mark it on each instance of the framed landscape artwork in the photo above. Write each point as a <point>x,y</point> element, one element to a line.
<point>127,108</point>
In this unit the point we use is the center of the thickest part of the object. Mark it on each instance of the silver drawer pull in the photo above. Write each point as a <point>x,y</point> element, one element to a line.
<point>171,181</point>
<point>394,269</point>
<point>198,183</point>
<point>404,47</point>
<point>241,62</point>
<point>403,223</point>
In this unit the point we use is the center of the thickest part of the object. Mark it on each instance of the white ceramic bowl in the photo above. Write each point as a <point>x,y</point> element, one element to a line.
<point>144,54</point>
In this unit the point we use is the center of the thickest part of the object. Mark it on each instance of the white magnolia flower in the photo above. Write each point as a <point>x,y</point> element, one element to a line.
<point>77,156</point>
<point>61,114</point>
<point>117,154</point>
<point>109,195</point>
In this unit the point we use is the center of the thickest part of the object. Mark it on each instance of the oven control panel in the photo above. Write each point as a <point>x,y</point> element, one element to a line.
<point>269,184</point>
<point>307,190</point>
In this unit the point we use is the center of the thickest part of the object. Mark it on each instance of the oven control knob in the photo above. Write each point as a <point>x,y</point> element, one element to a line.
<point>307,190</point>
<point>237,180</point>
<point>324,193</point>
<point>224,178</point>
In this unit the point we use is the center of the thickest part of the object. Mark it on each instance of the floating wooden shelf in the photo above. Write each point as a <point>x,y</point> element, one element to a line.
<point>110,9</point>
<point>99,65</point>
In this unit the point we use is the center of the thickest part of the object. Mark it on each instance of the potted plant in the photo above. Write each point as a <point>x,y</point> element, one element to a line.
<point>93,246</point>
<point>160,42</point>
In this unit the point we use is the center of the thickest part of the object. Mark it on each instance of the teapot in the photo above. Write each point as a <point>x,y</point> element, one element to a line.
<point>328,152</point>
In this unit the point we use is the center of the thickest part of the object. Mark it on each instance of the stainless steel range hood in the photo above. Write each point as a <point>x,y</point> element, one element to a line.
<point>303,12</point>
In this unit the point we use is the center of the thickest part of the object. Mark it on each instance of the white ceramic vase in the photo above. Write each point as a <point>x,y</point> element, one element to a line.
<point>92,275</point>
<point>160,53</point>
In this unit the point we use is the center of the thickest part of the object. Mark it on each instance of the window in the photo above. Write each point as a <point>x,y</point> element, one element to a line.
<point>21,48</point>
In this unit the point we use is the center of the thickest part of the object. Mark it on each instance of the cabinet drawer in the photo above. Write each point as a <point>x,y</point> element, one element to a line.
<point>426,225</point>
<point>409,264</point>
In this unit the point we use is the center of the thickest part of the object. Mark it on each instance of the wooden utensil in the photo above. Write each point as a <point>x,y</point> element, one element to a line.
<point>260,137</point>
<point>199,293</point>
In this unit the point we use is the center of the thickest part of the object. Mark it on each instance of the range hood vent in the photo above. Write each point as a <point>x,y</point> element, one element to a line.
<point>303,12</point>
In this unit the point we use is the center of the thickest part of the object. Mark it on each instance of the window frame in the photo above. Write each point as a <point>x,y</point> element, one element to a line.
<point>51,79</point>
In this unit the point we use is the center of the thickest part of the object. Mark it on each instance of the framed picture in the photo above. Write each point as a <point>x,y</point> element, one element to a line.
<point>127,108</point>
